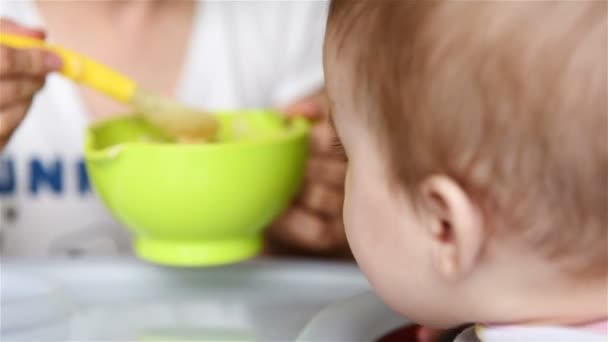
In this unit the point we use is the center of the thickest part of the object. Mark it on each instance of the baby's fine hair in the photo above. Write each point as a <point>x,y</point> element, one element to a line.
<point>507,98</point>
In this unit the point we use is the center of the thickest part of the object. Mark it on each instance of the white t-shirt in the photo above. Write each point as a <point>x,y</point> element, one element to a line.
<point>263,54</point>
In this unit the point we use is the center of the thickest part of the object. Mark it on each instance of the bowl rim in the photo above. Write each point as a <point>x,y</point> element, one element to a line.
<point>300,128</point>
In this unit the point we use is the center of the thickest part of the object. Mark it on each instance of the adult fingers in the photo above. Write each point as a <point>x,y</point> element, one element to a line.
<point>16,90</point>
<point>27,62</point>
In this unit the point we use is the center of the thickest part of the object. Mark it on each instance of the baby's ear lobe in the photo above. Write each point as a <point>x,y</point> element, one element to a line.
<point>455,224</point>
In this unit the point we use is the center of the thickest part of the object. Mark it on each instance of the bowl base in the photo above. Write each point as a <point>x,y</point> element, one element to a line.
<point>197,253</point>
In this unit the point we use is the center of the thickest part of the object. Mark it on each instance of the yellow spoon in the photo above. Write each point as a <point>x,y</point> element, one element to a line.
<point>180,121</point>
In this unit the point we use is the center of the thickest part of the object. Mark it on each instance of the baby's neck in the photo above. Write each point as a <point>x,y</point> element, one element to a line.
<point>537,292</point>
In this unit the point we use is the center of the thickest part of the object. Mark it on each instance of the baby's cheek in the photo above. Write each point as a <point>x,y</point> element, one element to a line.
<point>356,220</point>
<point>353,209</point>
<point>347,212</point>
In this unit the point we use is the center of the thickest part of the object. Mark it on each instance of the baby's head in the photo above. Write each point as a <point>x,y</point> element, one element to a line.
<point>477,141</point>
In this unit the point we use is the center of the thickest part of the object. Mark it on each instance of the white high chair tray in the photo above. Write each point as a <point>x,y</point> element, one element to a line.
<point>129,300</point>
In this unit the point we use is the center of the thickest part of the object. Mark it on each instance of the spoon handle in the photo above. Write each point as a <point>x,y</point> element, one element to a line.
<point>80,68</point>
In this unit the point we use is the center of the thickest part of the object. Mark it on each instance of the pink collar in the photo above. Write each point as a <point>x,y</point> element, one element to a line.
<point>492,332</point>
<point>600,326</point>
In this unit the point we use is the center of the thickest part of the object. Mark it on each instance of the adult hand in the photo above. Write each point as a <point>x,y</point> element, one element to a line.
<point>22,74</point>
<point>313,224</point>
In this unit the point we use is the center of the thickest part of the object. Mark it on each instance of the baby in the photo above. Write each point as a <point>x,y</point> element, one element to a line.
<point>477,139</point>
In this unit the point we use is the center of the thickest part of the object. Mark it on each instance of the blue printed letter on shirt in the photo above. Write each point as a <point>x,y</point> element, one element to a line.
<point>50,175</point>
<point>7,176</point>
<point>84,185</point>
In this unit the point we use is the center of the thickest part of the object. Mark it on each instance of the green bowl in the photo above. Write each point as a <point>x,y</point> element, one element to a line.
<point>198,204</point>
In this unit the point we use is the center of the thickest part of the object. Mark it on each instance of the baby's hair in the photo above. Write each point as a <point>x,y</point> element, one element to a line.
<point>507,98</point>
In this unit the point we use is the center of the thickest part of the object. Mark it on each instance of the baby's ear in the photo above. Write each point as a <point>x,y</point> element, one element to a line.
<point>455,226</point>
